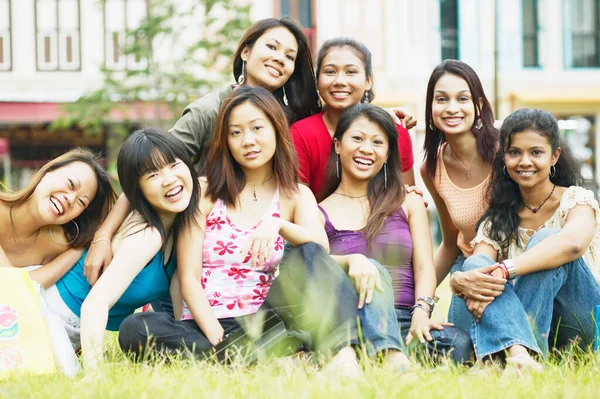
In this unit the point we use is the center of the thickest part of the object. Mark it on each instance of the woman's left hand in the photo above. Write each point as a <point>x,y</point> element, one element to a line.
<point>261,242</point>
<point>476,308</point>
<point>421,325</point>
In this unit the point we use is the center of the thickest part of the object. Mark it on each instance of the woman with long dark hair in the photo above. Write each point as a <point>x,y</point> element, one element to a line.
<point>460,145</point>
<point>373,224</point>
<point>542,232</point>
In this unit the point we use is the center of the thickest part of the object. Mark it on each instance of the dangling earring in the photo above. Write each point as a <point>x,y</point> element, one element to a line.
<point>505,172</point>
<point>337,166</point>
<point>285,99</point>
<point>431,125</point>
<point>242,77</point>
<point>552,171</point>
<point>385,175</point>
<point>478,124</point>
<point>70,242</point>
<point>365,98</point>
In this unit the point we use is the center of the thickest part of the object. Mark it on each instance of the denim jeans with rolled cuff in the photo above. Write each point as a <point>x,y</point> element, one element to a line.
<point>548,306</point>
<point>378,327</point>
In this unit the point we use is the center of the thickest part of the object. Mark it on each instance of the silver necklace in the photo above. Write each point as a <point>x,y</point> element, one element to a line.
<point>21,248</point>
<point>358,197</point>
<point>468,170</point>
<point>254,197</point>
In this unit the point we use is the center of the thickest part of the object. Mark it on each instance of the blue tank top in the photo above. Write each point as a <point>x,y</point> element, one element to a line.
<point>150,284</point>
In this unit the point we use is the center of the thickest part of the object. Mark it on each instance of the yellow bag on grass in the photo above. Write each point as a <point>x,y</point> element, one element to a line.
<point>24,341</point>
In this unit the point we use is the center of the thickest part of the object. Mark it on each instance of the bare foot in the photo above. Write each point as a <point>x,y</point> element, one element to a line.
<point>343,364</point>
<point>397,361</point>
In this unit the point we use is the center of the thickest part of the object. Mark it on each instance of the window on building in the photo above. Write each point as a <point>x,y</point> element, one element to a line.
<point>5,36</point>
<point>121,17</point>
<point>584,33</point>
<point>58,32</point>
<point>301,11</point>
<point>530,33</point>
<point>449,29</point>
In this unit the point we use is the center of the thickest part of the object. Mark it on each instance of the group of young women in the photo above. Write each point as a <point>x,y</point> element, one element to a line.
<point>313,225</point>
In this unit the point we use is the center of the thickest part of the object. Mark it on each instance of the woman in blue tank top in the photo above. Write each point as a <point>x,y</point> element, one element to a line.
<point>159,179</point>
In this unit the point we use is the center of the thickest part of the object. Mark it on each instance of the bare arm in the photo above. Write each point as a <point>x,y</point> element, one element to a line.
<point>132,256</point>
<point>51,272</point>
<point>408,177</point>
<point>569,244</point>
<point>100,252</point>
<point>189,264</point>
<point>448,250</point>
<point>307,225</point>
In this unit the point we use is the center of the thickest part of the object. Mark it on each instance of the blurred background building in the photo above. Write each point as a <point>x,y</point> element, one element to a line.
<point>528,53</point>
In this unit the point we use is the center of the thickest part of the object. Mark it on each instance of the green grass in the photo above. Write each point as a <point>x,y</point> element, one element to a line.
<point>571,375</point>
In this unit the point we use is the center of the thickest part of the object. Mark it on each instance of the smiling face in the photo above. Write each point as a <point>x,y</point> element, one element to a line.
<point>270,62</point>
<point>342,79</point>
<point>529,157</point>
<point>168,189</point>
<point>64,193</point>
<point>453,109</point>
<point>363,150</point>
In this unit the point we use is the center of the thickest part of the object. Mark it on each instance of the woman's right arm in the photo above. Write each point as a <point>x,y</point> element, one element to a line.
<point>100,252</point>
<point>448,250</point>
<point>189,268</point>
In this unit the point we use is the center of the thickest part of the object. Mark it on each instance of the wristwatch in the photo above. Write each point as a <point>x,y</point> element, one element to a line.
<point>510,266</point>
<point>428,300</point>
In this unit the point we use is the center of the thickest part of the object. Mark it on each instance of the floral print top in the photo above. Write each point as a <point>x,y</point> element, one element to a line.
<point>233,288</point>
<point>572,197</point>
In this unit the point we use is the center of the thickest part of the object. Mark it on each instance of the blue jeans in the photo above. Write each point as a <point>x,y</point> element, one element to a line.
<point>378,325</point>
<point>450,341</point>
<point>558,300</point>
<point>458,314</point>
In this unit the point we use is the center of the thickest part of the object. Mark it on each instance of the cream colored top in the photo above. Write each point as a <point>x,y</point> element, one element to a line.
<point>572,197</point>
<point>465,205</point>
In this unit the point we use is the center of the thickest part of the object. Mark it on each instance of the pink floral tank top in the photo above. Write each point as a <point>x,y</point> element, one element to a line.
<point>232,287</point>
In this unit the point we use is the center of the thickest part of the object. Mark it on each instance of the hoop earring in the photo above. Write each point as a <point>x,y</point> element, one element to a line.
<point>70,242</point>
<point>552,171</point>
<point>504,171</point>
<point>285,99</point>
<point>242,77</point>
<point>478,124</point>
<point>385,175</point>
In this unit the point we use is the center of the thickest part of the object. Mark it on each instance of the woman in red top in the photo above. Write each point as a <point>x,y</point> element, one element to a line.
<point>344,78</point>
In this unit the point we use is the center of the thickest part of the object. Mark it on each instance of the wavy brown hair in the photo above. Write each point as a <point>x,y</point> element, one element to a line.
<point>383,201</point>
<point>92,216</point>
<point>226,179</point>
<point>487,136</point>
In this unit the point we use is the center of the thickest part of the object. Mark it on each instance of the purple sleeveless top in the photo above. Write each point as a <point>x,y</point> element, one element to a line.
<point>392,248</point>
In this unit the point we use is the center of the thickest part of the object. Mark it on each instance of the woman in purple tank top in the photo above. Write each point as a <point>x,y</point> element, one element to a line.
<point>371,220</point>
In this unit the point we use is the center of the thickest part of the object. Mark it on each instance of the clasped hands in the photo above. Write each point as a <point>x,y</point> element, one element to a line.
<point>479,287</point>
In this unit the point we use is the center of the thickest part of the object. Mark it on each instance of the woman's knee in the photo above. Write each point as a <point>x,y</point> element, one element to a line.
<point>477,261</point>
<point>134,331</point>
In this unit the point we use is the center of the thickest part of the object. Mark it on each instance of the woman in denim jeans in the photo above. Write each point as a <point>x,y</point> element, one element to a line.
<point>538,228</point>
<point>367,214</point>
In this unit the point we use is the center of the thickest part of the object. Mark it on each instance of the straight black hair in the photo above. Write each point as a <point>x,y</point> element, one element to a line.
<point>147,150</point>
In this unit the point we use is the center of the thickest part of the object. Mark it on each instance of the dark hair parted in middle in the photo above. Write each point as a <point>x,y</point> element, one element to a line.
<point>361,52</point>
<point>505,195</point>
<point>226,179</point>
<point>148,150</point>
<point>300,88</point>
<point>382,201</point>
<point>486,137</point>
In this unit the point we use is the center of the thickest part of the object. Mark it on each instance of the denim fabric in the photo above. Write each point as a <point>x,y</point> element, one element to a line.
<point>558,300</point>
<point>458,314</point>
<point>378,325</point>
<point>163,305</point>
<point>450,341</point>
<point>504,322</point>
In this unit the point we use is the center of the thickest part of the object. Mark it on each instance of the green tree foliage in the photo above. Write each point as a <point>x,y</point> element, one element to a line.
<point>186,48</point>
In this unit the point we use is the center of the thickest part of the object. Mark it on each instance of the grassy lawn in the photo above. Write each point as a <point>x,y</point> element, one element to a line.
<point>571,376</point>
